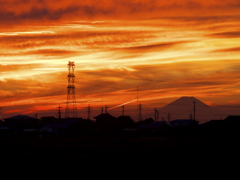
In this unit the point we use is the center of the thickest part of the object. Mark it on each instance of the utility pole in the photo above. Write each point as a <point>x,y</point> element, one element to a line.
<point>169,117</point>
<point>194,109</point>
<point>89,110</point>
<point>59,111</point>
<point>123,110</point>
<point>106,109</point>
<point>102,110</point>
<point>140,112</point>
<point>156,114</point>
<point>190,116</point>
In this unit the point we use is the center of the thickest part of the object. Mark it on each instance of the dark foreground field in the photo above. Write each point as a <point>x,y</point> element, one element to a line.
<point>90,154</point>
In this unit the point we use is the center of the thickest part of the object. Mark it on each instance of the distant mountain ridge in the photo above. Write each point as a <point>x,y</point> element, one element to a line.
<point>183,108</point>
<point>185,100</point>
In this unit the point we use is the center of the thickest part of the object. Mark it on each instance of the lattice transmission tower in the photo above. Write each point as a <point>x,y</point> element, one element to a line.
<point>71,109</point>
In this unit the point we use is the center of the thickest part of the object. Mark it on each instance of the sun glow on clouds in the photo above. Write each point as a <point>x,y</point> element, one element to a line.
<point>26,33</point>
<point>165,55</point>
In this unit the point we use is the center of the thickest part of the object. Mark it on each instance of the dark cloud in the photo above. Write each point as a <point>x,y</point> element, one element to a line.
<point>158,46</point>
<point>152,46</point>
<point>36,13</point>
<point>230,34</point>
<point>204,82</point>
<point>236,49</point>
<point>204,19</point>
<point>52,52</point>
<point>111,9</point>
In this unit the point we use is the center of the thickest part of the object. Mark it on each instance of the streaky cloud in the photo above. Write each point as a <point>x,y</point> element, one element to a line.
<point>236,49</point>
<point>230,34</point>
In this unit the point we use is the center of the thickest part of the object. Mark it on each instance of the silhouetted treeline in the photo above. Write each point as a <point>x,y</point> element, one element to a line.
<point>107,125</point>
<point>117,143</point>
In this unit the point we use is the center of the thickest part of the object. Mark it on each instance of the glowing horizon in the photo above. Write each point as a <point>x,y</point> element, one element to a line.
<point>167,49</point>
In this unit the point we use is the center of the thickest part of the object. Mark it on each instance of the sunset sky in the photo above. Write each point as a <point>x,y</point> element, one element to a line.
<point>168,49</point>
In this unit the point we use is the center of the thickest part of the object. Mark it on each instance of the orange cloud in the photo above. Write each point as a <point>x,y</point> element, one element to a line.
<point>165,55</point>
<point>28,11</point>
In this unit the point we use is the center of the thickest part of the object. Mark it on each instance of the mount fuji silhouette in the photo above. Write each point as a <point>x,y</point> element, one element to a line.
<point>183,108</point>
